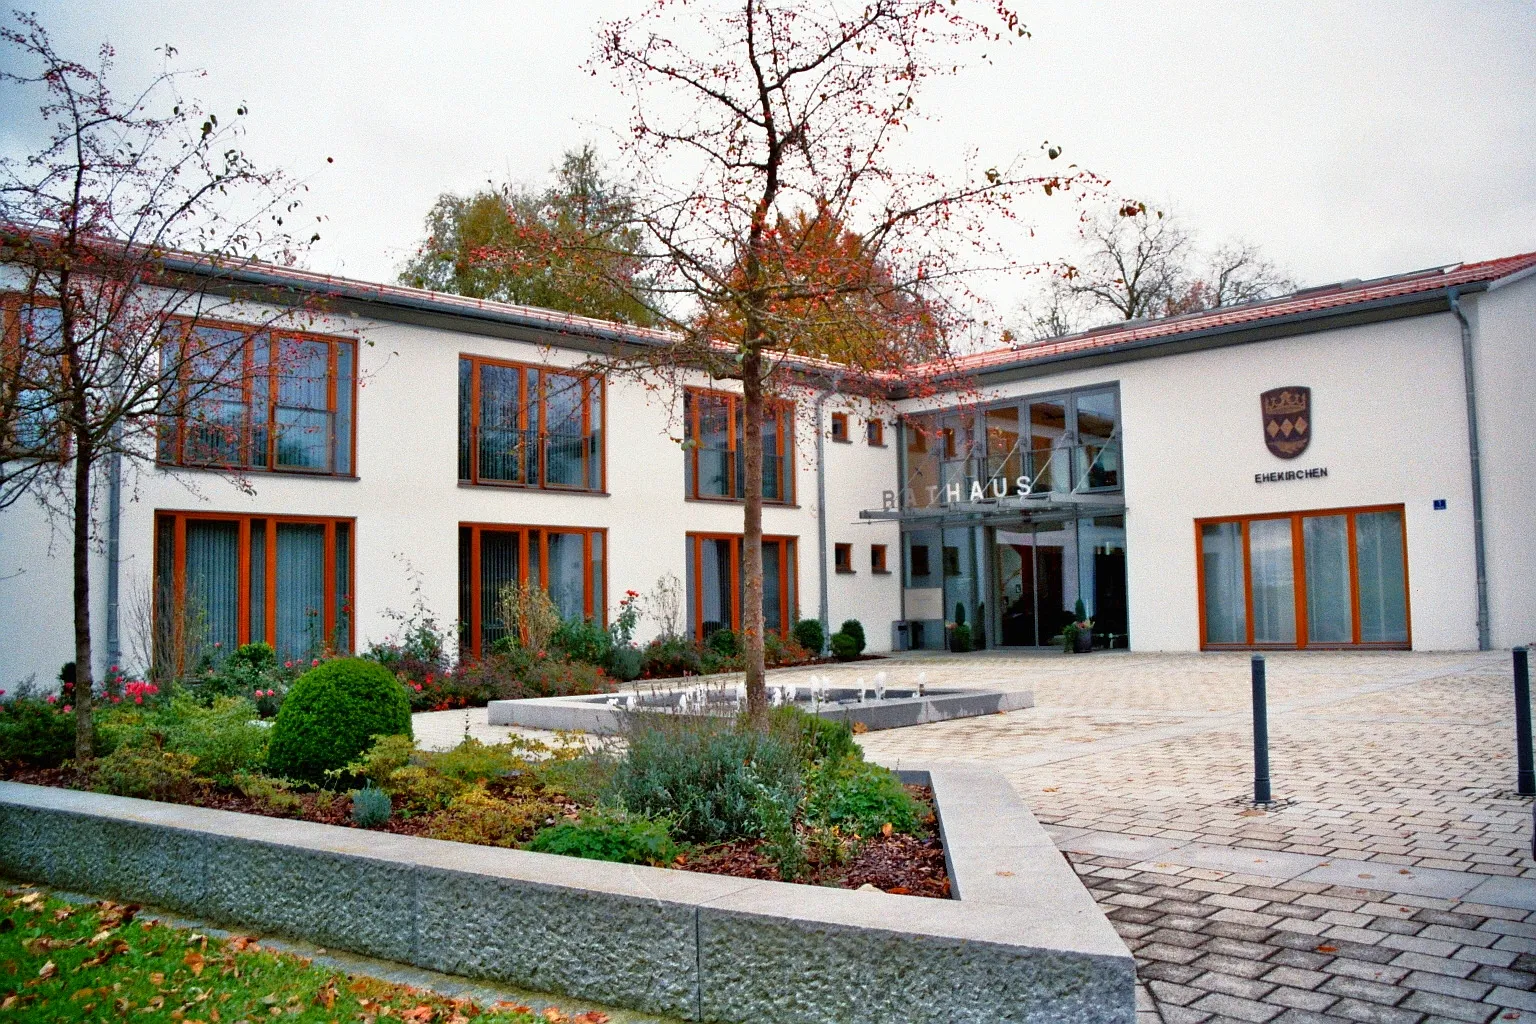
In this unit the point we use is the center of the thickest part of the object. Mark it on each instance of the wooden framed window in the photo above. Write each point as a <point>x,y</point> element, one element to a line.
<point>530,426</point>
<point>1323,578</point>
<point>874,433</point>
<point>29,347</point>
<point>840,427</point>
<point>226,579</point>
<point>568,562</point>
<point>258,399</point>
<point>842,557</point>
<point>715,583</point>
<point>877,559</point>
<point>715,470</point>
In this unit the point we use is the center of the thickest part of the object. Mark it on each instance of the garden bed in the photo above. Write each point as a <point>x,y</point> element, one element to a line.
<point>896,863</point>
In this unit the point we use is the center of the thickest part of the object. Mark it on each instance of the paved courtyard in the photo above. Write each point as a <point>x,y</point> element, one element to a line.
<point>1391,883</point>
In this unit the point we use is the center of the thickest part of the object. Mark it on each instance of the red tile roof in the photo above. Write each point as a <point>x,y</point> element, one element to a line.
<point>1308,300</point>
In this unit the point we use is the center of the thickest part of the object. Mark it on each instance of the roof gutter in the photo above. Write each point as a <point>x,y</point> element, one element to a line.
<point>1474,454</point>
<point>1432,301</point>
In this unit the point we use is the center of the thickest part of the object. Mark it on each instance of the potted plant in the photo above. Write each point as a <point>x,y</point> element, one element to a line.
<point>1082,636</point>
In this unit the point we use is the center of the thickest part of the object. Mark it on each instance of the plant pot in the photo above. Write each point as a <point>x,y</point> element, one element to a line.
<point>1082,643</point>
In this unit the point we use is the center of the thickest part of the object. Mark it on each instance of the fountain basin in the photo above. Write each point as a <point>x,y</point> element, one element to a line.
<point>901,706</point>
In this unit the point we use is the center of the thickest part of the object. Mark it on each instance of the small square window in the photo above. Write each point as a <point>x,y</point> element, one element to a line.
<point>874,430</point>
<point>951,561</point>
<point>877,558</point>
<point>920,565</point>
<point>842,557</point>
<point>840,426</point>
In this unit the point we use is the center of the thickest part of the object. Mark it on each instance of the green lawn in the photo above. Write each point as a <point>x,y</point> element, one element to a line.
<point>99,962</point>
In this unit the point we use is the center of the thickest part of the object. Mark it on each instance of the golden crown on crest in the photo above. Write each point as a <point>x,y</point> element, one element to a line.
<point>1286,403</point>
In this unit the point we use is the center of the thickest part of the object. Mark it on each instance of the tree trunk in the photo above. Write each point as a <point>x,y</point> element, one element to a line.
<point>84,732</point>
<point>752,538</point>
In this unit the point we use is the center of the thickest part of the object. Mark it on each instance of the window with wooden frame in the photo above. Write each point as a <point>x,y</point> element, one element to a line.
<point>29,364</point>
<point>568,562</point>
<point>1325,578</point>
<point>223,580</point>
<point>877,559</point>
<point>714,468</point>
<point>258,399</point>
<point>874,433</point>
<point>715,583</point>
<point>530,426</point>
<point>840,427</point>
<point>842,557</point>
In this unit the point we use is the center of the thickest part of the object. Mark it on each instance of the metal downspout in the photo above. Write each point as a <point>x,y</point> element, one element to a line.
<point>114,582</point>
<point>1474,449</point>
<point>821,510</point>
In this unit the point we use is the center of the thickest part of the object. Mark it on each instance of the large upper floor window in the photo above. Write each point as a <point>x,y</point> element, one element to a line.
<point>567,562</point>
<point>256,399</point>
<point>1065,443</point>
<point>715,468</point>
<point>28,414</point>
<point>223,580</point>
<point>530,426</point>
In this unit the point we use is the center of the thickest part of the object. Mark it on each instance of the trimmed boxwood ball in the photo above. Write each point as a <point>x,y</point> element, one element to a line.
<point>330,716</point>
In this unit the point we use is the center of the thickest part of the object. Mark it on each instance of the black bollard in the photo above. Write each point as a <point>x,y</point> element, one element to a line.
<point>1260,734</point>
<point>1525,777</point>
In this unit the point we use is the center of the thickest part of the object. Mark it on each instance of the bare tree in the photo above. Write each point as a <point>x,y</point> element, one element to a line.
<point>106,348</point>
<point>761,151</point>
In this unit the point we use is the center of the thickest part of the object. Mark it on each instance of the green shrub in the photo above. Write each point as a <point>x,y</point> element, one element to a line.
<point>36,733</point>
<point>723,641</point>
<point>855,629</point>
<point>776,814</point>
<point>625,662</point>
<point>702,774</point>
<point>274,794</point>
<point>809,634</point>
<point>844,647</point>
<point>475,816</point>
<point>145,772</point>
<point>860,797</point>
<point>548,678</point>
<point>581,640</point>
<point>669,656</point>
<point>371,807</point>
<point>608,834</point>
<point>960,639</point>
<point>813,737</point>
<point>226,738</point>
<point>778,651</point>
<point>332,714</point>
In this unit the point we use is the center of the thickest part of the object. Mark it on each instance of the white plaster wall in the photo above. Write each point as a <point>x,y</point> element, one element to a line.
<point>1504,354</point>
<point>1389,425</point>
<point>407,502</point>
<point>857,474</point>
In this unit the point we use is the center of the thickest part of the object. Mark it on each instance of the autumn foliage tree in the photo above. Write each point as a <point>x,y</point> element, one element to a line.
<point>567,246</point>
<point>781,223</point>
<point>103,347</point>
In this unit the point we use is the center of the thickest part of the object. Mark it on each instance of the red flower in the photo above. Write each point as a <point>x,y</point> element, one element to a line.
<point>418,687</point>
<point>68,709</point>
<point>139,699</point>
<point>314,662</point>
<point>287,664</point>
<point>53,698</point>
<point>117,700</point>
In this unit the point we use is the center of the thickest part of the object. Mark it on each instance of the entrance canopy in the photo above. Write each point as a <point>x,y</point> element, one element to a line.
<point>1049,506</point>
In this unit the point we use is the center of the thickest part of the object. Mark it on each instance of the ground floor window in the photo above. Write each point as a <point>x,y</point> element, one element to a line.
<point>715,583</point>
<point>568,562</point>
<point>226,580</point>
<point>1331,578</point>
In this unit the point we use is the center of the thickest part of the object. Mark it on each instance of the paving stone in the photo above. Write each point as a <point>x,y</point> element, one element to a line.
<point>1179,995</point>
<point>1444,984</point>
<point>1366,971</point>
<point>1163,951</point>
<point>1175,937</point>
<point>1232,965</point>
<point>1232,985</point>
<point>1237,948</point>
<point>1164,971</point>
<point>1306,1017</point>
<point>1359,988</point>
<point>1183,1015</point>
<point>1504,977</point>
<point>1240,1009</point>
<point>1493,957</point>
<point>1300,998</point>
<point>1435,964</point>
<point>1373,1013</point>
<point>1514,998</point>
<point>1449,1006</point>
<point>1296,977</point>
<point>1304,959</point>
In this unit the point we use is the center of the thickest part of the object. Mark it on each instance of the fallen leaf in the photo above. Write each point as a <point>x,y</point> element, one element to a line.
<point>9,1001</point>
<point>1327,949</point>
<point>1049,789</point>
<point>506,1007</point>
<point>1365,875</point>
<point>100,937</point>
<point>899,890</point>
<point>422,1014</point>
<point>158,978</point>
<point>49,969</point>
<point>590,1017</point>
<point>554,1016</point>
<point>1005,874</point>
<point>1404,871</point>
<point>108,952</point>
<point>63,913</point>
<point>194,960</point>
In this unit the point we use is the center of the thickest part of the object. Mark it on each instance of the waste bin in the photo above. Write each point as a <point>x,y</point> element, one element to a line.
<point>901,636</point>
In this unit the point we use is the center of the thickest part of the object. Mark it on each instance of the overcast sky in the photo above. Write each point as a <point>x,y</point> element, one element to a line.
<point>1346,140</point>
